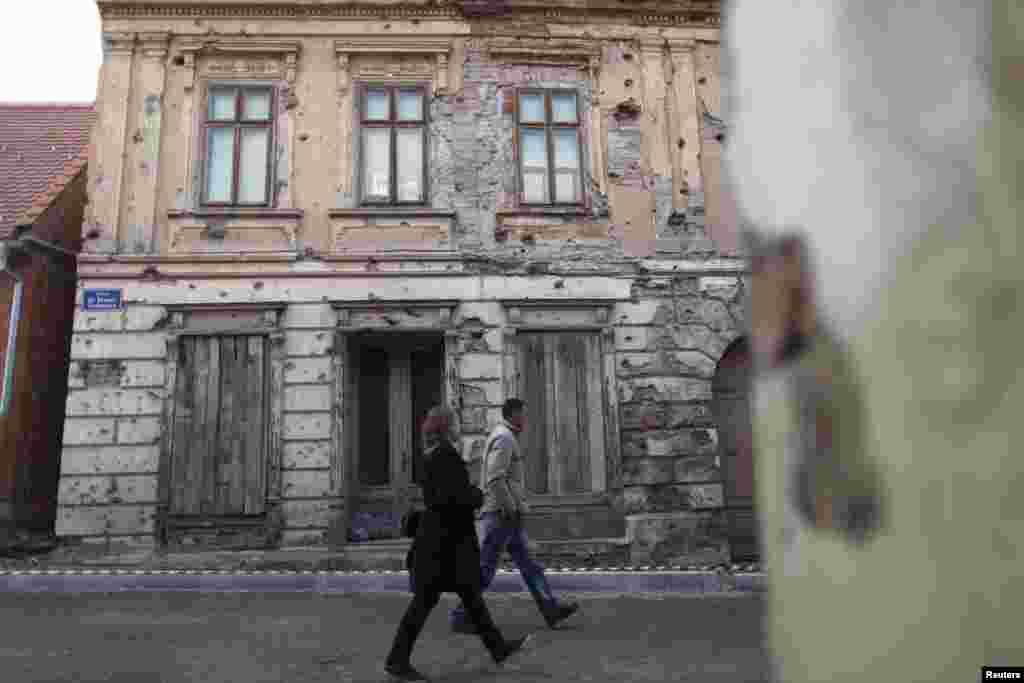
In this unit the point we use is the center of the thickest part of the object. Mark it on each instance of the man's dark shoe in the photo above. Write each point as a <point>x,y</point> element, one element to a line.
<point>404,673</point>
<point>465,628</point>
<point>559,613</point>
<point>509,648</point>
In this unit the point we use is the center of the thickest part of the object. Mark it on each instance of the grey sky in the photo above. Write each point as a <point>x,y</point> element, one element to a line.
<point>50,50</point>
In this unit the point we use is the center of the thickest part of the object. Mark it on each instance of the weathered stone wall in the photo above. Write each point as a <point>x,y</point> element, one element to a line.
<point>117,387</point>
<point>669,344</point>
<point>308,424</point>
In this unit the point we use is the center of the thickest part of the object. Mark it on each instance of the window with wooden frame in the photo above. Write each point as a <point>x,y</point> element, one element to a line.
<point>237,138</point>
<point>548,141</point>
<point>393,144</point>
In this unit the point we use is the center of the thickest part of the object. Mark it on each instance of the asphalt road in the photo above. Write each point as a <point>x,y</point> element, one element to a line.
<point>301,637</point>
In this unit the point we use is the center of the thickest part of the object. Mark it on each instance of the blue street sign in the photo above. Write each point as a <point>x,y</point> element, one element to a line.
<point>102,300</point>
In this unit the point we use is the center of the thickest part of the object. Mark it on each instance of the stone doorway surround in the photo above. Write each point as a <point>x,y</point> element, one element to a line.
<point>379,317</point>
<point>264,319</point>
<point>577,515</point>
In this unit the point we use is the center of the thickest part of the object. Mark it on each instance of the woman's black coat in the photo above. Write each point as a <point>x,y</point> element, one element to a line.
<point>445,554</point>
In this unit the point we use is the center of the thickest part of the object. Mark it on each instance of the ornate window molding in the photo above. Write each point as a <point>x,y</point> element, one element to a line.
<point>393,49</point>
<point>541,51</point>
<point>241,59</point>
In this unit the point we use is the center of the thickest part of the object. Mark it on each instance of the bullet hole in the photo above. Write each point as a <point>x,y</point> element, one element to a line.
<point>719,137</point>
<point>257,285</point>
<point>137,137</point>
<point>191,286</point>
<point>629,82</point>
<point>702,80</point>
<point>387,26</point>
<point>92,234</point>
<point>560,284</point>
<point>179,61</point>
<point>628,56</point>
<point>303,137</point>
<point>680,143</point>
<point>223,295</point>
<point>529,239</point>
<point>415,22</point>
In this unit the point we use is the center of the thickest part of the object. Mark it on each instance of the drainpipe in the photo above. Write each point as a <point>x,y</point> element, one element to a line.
<point>31,239</point>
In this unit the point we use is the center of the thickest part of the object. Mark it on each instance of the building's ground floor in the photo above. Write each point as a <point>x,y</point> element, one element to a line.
<point>256,412</point>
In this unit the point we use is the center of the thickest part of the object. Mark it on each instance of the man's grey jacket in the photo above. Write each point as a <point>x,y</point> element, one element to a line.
<point>501,472</point>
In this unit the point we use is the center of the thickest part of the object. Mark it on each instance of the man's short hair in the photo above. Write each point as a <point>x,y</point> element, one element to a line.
<point>512,407</point>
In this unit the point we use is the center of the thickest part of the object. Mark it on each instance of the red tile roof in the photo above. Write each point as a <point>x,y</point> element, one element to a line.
<point>37,142</point>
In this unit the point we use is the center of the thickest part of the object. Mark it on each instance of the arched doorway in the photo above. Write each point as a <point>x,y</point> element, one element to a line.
<point>731,387</point>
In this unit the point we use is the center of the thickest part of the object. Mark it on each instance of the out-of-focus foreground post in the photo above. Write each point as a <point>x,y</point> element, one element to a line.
<point>889,395</point>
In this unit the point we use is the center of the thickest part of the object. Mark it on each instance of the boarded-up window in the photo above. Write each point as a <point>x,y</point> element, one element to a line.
<point>220,423</point>
<point>560,379</point>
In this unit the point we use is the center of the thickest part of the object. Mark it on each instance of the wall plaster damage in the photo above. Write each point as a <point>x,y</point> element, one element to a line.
<point>630,272</point>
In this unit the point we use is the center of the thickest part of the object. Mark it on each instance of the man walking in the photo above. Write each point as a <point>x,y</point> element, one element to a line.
<point>501,519</point>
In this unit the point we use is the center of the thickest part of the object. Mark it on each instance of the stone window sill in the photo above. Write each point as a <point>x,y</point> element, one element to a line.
<point>387,211</point>
<point>543,211</point>
<point>237,212</point>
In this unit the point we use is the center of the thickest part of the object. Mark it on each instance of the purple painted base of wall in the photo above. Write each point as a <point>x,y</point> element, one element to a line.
<point>561,582</point>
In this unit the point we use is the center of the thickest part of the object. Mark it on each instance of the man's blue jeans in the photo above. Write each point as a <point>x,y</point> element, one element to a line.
<point>496,536</point>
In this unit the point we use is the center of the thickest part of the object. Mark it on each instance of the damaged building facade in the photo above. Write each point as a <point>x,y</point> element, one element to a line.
<point>318,221</point>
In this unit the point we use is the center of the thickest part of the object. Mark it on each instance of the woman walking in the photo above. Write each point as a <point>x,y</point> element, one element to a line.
<point>445,555</point>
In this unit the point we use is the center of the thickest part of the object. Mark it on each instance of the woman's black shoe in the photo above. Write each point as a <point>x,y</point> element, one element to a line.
<point>404,673</point>
<point>563,611</point>
<point>509,648</point>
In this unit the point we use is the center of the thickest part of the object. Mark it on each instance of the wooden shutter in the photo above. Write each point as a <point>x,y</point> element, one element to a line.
<point>219,461</point>
<point>561,382</point>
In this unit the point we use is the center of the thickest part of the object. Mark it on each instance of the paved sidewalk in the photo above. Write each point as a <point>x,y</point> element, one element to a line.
<point>301,638</point>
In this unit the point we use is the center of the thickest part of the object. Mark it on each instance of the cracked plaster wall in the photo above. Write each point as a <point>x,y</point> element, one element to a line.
<point>669,331</point>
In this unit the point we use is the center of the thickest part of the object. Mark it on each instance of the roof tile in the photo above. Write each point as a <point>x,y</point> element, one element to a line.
<point>42,147</point>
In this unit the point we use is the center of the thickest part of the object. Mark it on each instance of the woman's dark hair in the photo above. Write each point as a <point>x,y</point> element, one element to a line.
<point>512,407</point>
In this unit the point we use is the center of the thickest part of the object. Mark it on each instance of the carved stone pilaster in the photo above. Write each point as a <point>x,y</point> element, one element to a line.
<point>190,69</point>
<point>154,45</point>
<point>442,71</point>
<point>291,61</point>
<point>344,80</point>
<point>119,43</point>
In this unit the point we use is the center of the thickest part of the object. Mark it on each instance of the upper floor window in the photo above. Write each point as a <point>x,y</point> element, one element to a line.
<point>548,129</point>
<point>393,144</point>
<point>238,131</point>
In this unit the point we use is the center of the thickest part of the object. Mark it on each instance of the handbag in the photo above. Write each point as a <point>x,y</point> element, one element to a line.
<point>411,522</point>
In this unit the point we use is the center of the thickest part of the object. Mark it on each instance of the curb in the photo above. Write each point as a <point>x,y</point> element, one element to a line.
<point>381,581</point>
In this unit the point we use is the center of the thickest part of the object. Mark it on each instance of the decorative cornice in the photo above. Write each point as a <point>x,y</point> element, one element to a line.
<point>650,13</point>
<point>681,45</point>
<point>544,51</point>
<point>286,51</point>
<point>154,45</point>
<point>119,43</point>
<point>438,47</point>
